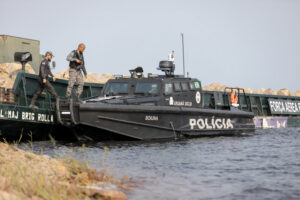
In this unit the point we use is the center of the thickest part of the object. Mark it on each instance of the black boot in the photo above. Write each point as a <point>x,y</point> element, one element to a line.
<point>33,106</point>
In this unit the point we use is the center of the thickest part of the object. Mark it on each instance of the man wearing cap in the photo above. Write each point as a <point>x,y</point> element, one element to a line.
<point>76,66</point>
<point>44,74</point>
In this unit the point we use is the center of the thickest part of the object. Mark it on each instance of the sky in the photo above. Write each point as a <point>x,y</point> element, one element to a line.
<point>249,43</point>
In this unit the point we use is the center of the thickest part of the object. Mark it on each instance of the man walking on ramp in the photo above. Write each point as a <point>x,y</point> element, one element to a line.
<point>76,66</point>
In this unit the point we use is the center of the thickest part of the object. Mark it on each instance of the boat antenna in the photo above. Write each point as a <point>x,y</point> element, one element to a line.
<point>182,42</point>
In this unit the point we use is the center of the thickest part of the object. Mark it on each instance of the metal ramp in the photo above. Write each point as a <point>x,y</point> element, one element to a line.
<point>68,113</point>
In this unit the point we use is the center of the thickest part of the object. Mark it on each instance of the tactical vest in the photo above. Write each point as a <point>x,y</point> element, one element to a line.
<point>74,64</point>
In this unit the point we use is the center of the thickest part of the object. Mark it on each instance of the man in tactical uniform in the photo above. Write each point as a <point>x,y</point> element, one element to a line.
<point>44,74</point>
<point>76,65</point>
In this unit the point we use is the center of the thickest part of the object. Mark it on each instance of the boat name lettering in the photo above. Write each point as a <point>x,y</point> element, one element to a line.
<point>178,103</point>
<point>28,116</point>
<point>188,103</point>
<point>1,114</point>
<point>182,103</point>
<point>151,118</point>
<point>279,106</point>
<point>213,123</point>
<point>9,114</point>
<point>172,102</point>
<point>45,118</point>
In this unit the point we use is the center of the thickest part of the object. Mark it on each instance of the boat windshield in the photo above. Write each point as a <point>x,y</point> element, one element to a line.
<point>143,87</point>
<point>116,88</point>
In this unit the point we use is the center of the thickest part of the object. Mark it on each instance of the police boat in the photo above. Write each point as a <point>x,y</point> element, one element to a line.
<point>154,107</point>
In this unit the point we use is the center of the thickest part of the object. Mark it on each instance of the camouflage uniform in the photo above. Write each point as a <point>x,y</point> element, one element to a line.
<point>75,74</point>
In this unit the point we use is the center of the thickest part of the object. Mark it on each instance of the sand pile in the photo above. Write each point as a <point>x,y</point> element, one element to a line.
<point>91,77</point>
<point>297,93</point>
<point>9,71</point>
<point>284,92</point>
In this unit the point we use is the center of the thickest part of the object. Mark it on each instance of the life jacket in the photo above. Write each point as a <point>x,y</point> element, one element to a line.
<point>233,98</point>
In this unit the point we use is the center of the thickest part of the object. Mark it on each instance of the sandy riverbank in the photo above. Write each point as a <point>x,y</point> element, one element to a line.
<point>25,175</point>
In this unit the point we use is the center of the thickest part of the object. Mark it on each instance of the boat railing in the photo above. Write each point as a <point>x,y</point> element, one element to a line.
<point>25,89</point>
<point>241,97</point>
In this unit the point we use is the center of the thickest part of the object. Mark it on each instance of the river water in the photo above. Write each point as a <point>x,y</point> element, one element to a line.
<point>265,165</point>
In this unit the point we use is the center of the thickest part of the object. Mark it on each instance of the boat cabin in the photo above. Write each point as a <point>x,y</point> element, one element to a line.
<point>166,90</point>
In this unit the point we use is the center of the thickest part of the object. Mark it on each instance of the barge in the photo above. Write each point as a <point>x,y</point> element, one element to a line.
<point>271,111</point>
<point>18,120</point>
